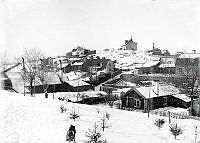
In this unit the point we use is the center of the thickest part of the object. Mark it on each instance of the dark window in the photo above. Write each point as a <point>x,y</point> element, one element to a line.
<point>164,100</point>
<point>180,70</point>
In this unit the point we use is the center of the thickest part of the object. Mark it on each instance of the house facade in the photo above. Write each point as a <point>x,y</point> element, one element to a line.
<point>150,67</point>
<point>94,65</point>
<point>167,64</point>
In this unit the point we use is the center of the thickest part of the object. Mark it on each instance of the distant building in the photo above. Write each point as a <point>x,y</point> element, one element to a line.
<point>96,64</point>
<point>150,67</point>
<point>81,52</point>
<point>130,45</point>
<point>167,64</point>
<point>166,53</point>
<point>155,51</point>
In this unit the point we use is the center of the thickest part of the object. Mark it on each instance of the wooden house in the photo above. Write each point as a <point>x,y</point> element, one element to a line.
<point>57,83</point>
<point>157,96</point>
<point>150,67</point>
<point>115,84</point>
<point>167,64</point>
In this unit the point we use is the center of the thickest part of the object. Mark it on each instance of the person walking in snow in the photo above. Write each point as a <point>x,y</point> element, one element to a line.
<point>71,134</point>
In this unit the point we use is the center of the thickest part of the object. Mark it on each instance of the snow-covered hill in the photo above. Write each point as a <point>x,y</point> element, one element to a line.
<point>37,120</point>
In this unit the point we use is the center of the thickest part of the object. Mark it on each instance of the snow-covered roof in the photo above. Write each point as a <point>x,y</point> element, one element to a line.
<point>64,64</point>
<point>129,72</point>
<point>183,97</point>
<point>151,91</point>
<point>147,64</point>
<point>190,55</point>
<point>52,78</point>
<point>121,90</point>
<point>72,75</point>
<point>76,83</point>
<point>167,65</point>
<point>78,63</point>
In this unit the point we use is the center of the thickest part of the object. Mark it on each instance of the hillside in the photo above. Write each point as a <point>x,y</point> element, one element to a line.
<point>37,120</point>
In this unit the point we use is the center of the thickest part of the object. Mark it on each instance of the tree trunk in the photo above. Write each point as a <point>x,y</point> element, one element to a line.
<point>31,87</point>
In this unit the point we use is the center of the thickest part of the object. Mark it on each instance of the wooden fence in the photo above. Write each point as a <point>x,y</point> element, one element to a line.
<point>181,115</point>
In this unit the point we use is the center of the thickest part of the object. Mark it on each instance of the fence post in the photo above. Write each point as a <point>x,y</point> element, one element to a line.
<point>169,117</point>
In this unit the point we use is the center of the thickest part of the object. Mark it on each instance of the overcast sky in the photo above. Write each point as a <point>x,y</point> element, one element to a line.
<point>57,26</point>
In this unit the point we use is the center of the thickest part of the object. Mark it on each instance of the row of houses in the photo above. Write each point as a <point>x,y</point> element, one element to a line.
<point>91,64</point>
<point>178,64</point>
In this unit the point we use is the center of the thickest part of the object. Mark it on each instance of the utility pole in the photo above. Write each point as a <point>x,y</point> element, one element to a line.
<point>148,105</point>
<point>78,86</point>
<point>24,73</point>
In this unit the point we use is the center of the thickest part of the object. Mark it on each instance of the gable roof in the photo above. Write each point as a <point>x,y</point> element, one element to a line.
<point>147,64</point>
<point>183,97</point>
<point>151,92</point>
<point>190,55</point>
<point>76,83</point>
<point>121,90</point>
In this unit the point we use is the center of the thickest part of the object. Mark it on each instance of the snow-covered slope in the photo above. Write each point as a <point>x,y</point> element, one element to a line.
<point>36,120</point>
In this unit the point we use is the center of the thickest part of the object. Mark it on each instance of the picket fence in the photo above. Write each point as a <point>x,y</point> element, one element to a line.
<point>180,115</point>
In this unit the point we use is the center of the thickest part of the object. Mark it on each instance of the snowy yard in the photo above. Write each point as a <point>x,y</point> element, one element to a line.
<point>39,120</point>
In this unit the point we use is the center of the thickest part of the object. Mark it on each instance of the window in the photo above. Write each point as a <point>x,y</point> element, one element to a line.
<point>137,103</point>
<point>164,101</point>
<point>180,70</point>
<point>169,62</point>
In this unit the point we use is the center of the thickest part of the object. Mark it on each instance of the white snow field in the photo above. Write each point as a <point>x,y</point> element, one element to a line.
<point>39,120</point>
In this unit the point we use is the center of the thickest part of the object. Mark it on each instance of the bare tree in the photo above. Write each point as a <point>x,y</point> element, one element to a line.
<point>45,76</point>
<point>3,61</point>
<point>189,73</point>
<point>31,61</point>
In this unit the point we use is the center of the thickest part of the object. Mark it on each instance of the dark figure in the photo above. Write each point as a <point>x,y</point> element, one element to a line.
<point>71,133</point>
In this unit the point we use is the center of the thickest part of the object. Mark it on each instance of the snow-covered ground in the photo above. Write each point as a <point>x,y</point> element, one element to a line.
<point>38,120</point>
